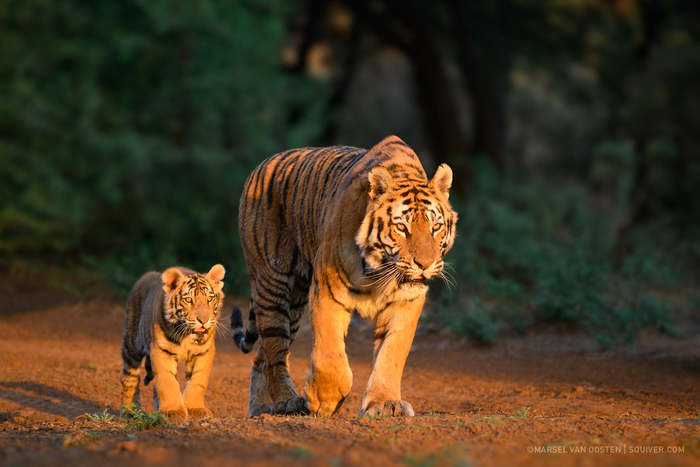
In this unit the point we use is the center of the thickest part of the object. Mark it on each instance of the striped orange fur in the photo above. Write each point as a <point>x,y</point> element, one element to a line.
<point>336,230</point>
<point>171,317</point>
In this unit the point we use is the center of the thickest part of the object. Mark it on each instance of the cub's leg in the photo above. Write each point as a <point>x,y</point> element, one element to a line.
<point>330,379</point>
<point>197,371</point>
<point>394,333</point>
<point>130,379</point>
<point>132,355</point>
<point>167,394</point>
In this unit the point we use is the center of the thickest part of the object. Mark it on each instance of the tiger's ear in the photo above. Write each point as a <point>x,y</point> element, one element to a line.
<point>171,279</point>
<point>216,273</point>
<point>442,180</point>
<point>379,182</point>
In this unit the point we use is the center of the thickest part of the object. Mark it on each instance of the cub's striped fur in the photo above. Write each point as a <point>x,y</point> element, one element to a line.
<point>339,229</point>
<point>171,317</point>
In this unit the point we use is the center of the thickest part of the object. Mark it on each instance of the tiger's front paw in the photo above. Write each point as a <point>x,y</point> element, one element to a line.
<point>196,413</point>
<point>324,401</point>
<point>389,409</point>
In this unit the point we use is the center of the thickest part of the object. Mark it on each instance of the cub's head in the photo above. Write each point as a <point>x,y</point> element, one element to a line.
<point>408,227</point>
<point>193,300</point>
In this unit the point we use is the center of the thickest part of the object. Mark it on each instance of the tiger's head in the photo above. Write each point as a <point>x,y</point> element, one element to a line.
<point>193,301</point>
<point>408,227</point>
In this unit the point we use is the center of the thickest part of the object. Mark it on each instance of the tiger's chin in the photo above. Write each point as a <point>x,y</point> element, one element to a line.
<point>413,285</point>
<point>409,290</point>
<point>422,282</point>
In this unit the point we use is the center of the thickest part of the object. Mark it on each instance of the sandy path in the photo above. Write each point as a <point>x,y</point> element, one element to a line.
<point>59,359</point>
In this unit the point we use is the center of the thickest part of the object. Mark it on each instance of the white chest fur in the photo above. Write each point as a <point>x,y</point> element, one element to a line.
<point>192,344</point>
<point>370,305</point>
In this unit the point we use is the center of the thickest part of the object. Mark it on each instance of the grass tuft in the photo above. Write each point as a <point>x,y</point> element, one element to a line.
<point>140,420</point>
<point>103,416</point>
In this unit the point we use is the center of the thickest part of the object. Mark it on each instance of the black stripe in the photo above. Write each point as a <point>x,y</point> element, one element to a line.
<point>294,306</point>
<point>195,355</point>
<point>281,164</point>
<point>277,308</point>
<point>266,293</point>
<point>149,371</point>
<point>274,331</point>
<point>330,292</point>
<point>167,351</point>
<point>132,361</point>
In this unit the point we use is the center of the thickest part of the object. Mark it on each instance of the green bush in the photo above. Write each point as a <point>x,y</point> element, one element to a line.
<point>530,252</point>
<point>128,129</point>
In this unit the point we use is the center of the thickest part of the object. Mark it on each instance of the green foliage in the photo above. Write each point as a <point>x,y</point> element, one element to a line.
<point>104,416</point>
<point>140,420</point>
<point>128,129</point>
<point>533,252</point>
<point>474,322</point>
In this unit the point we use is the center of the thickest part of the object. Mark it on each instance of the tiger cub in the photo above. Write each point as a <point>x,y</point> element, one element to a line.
<point>172,317</point>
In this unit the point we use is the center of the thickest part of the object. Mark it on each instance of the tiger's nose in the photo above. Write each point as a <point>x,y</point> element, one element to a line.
<point>420,263</point>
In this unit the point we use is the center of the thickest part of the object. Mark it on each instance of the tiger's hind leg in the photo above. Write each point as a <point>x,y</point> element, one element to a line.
<point>297,308</point>
<point>272,296</point>
<point>132,355</point>
<point>260,401</point>
<point>130,379</point>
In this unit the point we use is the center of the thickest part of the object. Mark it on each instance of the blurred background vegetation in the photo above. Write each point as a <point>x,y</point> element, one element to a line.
<point>127,129</point>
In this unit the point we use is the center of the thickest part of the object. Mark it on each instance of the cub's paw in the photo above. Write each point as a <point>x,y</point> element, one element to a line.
<point>293,406</point>
<point>389,409</point>
<point>175,416</point>
<point>257,410</point>
<point>198,413</point>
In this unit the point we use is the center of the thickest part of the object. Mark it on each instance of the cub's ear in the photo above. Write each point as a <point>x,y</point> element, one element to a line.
<point>216,273</point>
<point>171,279</point>
<point>379,182</point>
<point>442,180</point>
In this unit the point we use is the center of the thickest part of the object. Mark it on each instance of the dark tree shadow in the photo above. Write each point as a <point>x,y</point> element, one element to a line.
<point>47,399</point>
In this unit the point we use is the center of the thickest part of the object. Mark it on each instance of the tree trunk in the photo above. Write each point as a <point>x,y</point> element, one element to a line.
<point>486,79</point>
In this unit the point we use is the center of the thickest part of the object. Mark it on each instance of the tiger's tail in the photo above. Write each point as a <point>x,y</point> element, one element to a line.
<point>244,339</point>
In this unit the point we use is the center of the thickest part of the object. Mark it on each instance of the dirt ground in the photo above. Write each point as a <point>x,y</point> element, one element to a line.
<point>542,400</point>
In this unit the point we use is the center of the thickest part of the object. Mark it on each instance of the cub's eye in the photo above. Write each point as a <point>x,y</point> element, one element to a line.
<point>210,299</point>
<point>437,228</point>
<point>188,299</point>
<point>401,228</point>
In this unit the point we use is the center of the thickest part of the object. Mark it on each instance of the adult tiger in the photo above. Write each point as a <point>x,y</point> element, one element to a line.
<point>339,229</point>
